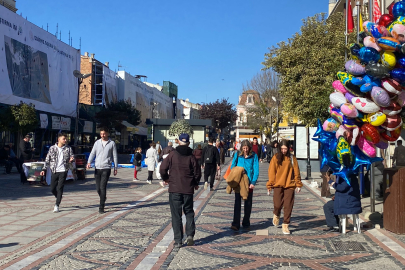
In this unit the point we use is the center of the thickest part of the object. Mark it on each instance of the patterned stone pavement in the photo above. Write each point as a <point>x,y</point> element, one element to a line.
<point>136,233</point>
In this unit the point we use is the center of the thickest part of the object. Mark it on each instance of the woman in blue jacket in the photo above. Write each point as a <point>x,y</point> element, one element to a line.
<point>247,159</point>
<point>347,197</point>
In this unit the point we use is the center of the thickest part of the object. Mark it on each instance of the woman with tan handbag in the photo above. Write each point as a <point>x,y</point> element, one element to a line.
<point>285,179</point>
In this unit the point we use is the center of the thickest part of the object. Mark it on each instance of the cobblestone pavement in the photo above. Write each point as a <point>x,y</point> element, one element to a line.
<point>136,232</point>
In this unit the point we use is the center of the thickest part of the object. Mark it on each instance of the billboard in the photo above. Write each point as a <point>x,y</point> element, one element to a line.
<point>38,68</point>
<point>110,86</point>
<point>301,146</point>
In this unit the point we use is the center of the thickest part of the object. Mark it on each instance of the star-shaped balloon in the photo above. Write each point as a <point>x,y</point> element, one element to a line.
<point>322,133</point>
<point>345,174</point>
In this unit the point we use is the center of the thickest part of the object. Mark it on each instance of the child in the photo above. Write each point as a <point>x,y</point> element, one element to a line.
<point>137,162</point>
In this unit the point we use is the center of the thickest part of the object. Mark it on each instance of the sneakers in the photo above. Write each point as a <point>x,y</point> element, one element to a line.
<point>285,229</point>
<point>56,209</point>
<point>136,179</point>
<point>101,211</point>
<point>276,220</point>
<point>190,241</point>
<point>162,184</point>
<point>149,182</point>
<point>205,185</point>
<point>177,246</point>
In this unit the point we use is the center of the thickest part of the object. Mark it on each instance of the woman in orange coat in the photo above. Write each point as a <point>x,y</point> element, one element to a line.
<point>285,179</point>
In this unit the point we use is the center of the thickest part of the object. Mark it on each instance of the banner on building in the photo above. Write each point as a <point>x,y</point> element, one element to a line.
<point>110,89</point>
<point>38,68</point>
<point>44,120</point>
<point>65,123</point>
<point>88,127</point>
<point>56,122</point>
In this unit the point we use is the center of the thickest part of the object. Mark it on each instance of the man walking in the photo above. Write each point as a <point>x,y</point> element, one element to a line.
<point>399,154</point>
<point>185,174</point>
<point>105,151</point>
<point>210,163</point>
<point>58,159</point>
<point>257,148</point>
<point>166,150</point>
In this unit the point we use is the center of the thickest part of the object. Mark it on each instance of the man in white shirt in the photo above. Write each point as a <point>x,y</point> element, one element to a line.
<point>58,159</point>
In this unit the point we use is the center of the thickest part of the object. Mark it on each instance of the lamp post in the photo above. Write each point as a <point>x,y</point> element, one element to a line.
<point>275,100</point>
<point>80,78</point>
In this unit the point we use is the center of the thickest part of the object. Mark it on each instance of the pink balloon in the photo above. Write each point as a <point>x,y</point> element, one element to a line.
<point>338,86</point>
<point>371,42</point>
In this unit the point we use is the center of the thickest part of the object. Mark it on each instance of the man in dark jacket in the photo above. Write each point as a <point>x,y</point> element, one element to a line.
<point>5,158</point>
<point>210,162</point>
<point>257,148</point>
<point>183,179</point>
<point>166,150</point>
<point>26,149</point>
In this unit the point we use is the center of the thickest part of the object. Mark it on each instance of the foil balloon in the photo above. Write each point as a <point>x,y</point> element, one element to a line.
<point>388,59</point>
<point>398,74</point>
<point>367,54</point>
<point>349,96</point>
<point>385,20</point>
<point>349,110</point>
<point>380,97</point>
<point>351,136</point>
<point>401,61</point>
<point>371,42</point>
<point>366,147</point>
<point>330,125</point>
<point>377,70</point>
<point>382,144</point>
<point>337,115</point>
<point>391,86</point>
<point>366,83</point>
<point>355,49</point>
<point>330,108</point>
<point>338,86</point>
<point>355,68</point>
<point>392,122</point>
<point>398,32</point>
<point>349,123</point>
<point>320,132</point>
<point>376,119</point>
<point>391,136</point>
<point>377,31</point>
<point>388,44</point>
<point>399,20</point>
<point>370,133</point>
<point>346,78</point>
<point>337,99</point>
<point>343,152</point>
<point>393,109</point>
<point>362,35</point>
<point>401,99</point>
<point>365,105</point>
<point>398,9</point>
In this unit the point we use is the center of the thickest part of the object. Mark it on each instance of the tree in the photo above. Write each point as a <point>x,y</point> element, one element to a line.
<point>221,112</point>
<point>24,118</point>
<point>118,111</point>
<point>180,126</point>
<point>307,64</point>
<point>262,115</point>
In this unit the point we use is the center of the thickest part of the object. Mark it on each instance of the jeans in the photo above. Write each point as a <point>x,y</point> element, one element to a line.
<point>247,209</point>
<point>331,219</point>
<point>102,176</point>
<point>210,169</point>
<point>57,183</point>
<point>180,203</point>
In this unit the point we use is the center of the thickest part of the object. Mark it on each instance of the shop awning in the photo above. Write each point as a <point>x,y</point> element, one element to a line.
<point>129,126</point>
<point>141,131</point>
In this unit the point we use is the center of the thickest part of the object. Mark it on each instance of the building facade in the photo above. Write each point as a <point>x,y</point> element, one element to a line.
<point>10,4</point>
<point>246,100</point>
<point>190,110</point>
<point>338,6</point>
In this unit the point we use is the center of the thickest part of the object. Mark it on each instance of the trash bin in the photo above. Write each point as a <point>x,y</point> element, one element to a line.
<point>394,204</point>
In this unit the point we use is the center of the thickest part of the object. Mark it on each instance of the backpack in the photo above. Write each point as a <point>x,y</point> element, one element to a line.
<point>209,154</point>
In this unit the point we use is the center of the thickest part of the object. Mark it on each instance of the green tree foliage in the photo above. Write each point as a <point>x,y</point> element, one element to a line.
<point>220,111</point>
<point>180,126</point>
<point>23,118</point>
<point>118,111</point>
<point>307,64</point>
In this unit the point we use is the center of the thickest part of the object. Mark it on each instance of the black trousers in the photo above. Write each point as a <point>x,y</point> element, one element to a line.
<point>57,184</point>
<point>210,169</point>
<point>150,175</point>
<point>8,165</point>
<point>102,176</point>
<point>18,163</point>
<point>180,203</point>
<point>331,219</point>
<point>237,210</point>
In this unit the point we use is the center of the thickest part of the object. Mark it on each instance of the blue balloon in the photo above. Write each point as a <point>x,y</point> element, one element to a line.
<point>401,61</point>
<point>368,54</point>
<point>398,9</point>
<point>398,74</point>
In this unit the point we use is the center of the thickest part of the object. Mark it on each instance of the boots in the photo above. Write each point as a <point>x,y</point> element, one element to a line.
<point>276,220</point>
<point>285,229</point>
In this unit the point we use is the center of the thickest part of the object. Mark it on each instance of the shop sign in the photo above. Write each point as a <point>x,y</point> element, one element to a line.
<point>55,122</point>
<point>44,120</point>
<point>65,123</point>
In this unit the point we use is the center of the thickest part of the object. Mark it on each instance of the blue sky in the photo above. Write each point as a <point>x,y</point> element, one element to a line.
<point>208,48</point>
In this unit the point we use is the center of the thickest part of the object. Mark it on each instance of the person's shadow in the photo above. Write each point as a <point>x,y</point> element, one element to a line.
<point>8,245</point>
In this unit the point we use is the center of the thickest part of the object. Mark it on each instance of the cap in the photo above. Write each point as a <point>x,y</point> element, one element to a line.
<point>184,137</point>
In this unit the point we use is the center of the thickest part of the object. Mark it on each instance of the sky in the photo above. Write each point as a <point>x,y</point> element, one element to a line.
<point>208,48</point>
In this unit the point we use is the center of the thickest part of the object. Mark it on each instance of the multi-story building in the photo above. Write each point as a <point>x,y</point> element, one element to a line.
<point>10,4</point>
<point>190,110</point>
<point>246,100</point>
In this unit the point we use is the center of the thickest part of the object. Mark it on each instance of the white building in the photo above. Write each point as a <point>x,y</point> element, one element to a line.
<point>191,110</point>
<point>247,99</point>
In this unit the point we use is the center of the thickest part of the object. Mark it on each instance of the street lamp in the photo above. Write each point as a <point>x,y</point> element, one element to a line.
<point>275,100</point>
<point>80,78</point>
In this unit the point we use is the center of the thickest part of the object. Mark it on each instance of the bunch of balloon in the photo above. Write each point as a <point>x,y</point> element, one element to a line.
<point>366,110</point>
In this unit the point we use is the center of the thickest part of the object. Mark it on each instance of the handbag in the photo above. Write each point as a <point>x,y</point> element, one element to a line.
<point>228,171</point>
<point>292,166</point>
